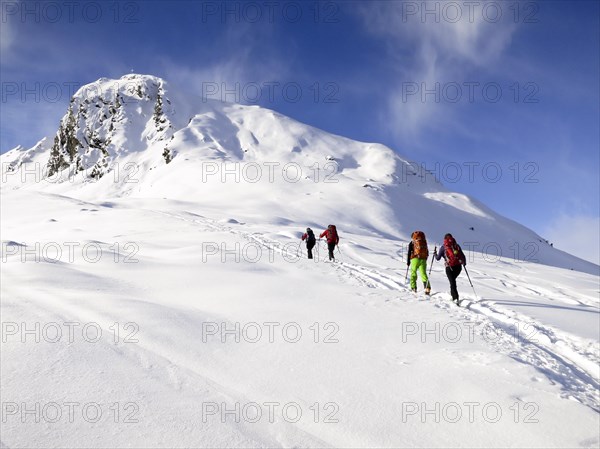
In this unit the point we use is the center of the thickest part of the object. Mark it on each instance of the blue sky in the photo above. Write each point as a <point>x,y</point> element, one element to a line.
<point>474,87</point>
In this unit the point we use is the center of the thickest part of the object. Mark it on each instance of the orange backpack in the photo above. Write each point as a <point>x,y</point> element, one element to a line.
<point>420,245</point>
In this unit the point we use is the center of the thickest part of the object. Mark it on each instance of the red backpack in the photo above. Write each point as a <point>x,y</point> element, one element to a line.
<point>454,255</point>
<point>420,245</point>
<point>333,235</point>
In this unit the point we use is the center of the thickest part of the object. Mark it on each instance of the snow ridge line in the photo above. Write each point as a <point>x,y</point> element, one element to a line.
<point>557,357</point>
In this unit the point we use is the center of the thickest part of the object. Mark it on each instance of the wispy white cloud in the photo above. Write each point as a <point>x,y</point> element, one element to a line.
<point>7,37</point>
<point>236,70</point>
<point>9,30</point>
<point>235,64</point>
<point>425,51</point>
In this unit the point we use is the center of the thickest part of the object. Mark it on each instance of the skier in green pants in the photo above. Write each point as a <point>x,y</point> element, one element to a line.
<point>417,260</point>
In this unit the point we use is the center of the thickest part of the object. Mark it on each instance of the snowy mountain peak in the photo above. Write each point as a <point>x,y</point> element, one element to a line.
<point>138,136</point>
<point>110,117</point>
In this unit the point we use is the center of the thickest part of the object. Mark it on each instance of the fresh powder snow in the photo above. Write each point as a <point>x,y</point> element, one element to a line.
<point>156,292</point>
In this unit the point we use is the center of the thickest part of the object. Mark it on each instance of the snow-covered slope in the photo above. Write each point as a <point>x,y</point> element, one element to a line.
<point>138,136</point>
<point>201,313</point>
<point>147,302</point>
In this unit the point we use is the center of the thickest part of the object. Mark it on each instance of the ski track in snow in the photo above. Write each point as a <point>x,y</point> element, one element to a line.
<point>552,352</point>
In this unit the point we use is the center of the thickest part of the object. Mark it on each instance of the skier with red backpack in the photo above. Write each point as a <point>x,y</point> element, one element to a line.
<point>417,260</point>
<point>332,239</point>
<point>455,259</point>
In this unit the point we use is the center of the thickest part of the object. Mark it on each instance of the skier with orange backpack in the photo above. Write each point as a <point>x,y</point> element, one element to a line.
<point>332,239</point>
<point>455,259</point>
<point>417,260</point>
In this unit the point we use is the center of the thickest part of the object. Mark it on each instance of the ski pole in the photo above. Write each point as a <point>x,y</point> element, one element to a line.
<point>406,276</point>
<point>432,258</point>
<point>469,278</point>
<point>325,247</point>
<point>431,266</point>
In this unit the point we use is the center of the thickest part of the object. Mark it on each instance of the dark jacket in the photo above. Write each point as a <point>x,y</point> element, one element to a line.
<point>411,248</point>
<point>310,238</point>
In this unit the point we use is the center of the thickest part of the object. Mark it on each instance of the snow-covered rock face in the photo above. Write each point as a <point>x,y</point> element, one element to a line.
<point>108,118</point>
<point>138,136</point>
